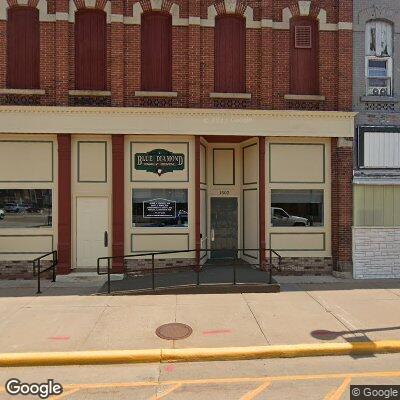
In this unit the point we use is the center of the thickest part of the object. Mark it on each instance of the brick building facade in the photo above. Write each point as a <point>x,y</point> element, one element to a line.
<point>377,146</point>
<point>110,127</point>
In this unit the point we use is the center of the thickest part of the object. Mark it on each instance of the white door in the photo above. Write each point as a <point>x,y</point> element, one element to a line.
<point>92,230</point>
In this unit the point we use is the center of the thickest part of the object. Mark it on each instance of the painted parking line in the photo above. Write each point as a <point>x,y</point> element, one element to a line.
<point>222,381</point>
<point>65,394</point>
<point>166,392</point>
<point>263,381</point>
<point>336,394</point>
<point>255,392</point>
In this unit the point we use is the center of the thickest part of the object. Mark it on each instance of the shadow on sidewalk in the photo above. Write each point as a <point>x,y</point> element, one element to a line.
<point>351,336</point>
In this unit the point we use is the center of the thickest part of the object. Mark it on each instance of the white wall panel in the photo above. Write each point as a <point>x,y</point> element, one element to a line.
<point>382,149</point>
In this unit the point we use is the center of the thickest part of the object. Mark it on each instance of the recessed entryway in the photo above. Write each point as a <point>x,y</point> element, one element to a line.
<point>224,226</point>
<point>92,234</point>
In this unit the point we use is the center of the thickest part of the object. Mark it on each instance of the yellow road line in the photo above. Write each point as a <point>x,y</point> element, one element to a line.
<point>65,393</point>
<point>284,378</point>
<point>255,392</point>
<point>166,393</point>
<point>338,393</point>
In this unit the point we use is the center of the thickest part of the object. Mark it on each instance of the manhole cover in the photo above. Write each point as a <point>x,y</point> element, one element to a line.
<point>174,331</point>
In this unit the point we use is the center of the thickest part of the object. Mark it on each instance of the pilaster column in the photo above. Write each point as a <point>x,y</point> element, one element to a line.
<point>261,196</point>
<point>64,204</point>
<point>342,203</point>
<point>118,184</point>
<point>197,198</point>
<point>345,60</point>
<point>194,30</point>
<point>117,54</point>
<point>266,51</point>
<point>62,53</point>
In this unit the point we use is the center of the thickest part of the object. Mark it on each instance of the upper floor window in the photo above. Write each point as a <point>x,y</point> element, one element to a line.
<point>23,48</point>
<point>304,71</point>
<point>90,49</point>
<point>156,38</point>
<point>379,61</point>
<point>230,54</point>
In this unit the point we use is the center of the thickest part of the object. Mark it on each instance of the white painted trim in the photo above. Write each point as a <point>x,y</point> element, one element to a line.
<point>147,93</point>
<point>27,92</point>
<point>117,18</point>
<point>305,97</point>
<point>62,16</point>
<point>156,4</point>
<point>195,21</point>
<point>181,121</point>
<point>216,95</point>
<point>304,7</point>
<point>345,26</point>
<point>94,93</point>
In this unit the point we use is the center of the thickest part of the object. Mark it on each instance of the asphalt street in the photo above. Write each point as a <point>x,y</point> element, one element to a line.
<point>315,378</point>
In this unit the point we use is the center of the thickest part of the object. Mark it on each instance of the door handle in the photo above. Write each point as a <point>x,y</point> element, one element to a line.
<point>212,235</point>
<point>105,239</point>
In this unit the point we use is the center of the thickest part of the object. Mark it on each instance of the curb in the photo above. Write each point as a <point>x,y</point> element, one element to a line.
<point>196,354</point>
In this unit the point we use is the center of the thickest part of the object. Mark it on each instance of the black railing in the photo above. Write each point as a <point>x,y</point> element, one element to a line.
<point>37,267</point>
<point>265,265</point>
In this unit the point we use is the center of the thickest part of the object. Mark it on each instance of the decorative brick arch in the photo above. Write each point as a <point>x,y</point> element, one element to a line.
<point>304,8</point>
<point>75,5</point>
<point>41,5</point>
<point>168,6</point>
<point>230,6</point>
<point>238,7</point>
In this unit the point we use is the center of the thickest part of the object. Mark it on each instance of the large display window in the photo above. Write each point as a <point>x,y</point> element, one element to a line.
<point>25,208</point>
<point>297,208</point>
<point>159,208</point>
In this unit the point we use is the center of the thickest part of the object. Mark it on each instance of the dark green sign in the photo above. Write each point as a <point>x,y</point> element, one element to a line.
<point>159,161</point>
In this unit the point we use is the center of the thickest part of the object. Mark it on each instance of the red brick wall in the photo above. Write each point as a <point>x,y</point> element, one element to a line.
<point>267,57</point>
<point>342,204</point>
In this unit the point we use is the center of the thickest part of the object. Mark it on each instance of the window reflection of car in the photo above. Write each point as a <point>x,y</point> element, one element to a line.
<point>14,208</point>
<point>2,213</point>
<point>279,217</point>
<point>31,208</point>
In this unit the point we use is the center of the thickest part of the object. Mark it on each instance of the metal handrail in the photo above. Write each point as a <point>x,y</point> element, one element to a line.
<point>198,267</point>
<point>36,264</point>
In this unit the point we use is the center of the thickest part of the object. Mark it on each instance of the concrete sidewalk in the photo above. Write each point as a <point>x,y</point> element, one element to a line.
<point>67,318</point>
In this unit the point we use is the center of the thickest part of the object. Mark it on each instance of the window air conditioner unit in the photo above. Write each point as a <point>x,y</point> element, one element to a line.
<point>378,91</point>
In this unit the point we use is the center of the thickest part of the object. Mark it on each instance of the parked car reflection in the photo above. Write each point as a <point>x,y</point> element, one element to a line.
<point>279,217</point>
<point>14,207</point>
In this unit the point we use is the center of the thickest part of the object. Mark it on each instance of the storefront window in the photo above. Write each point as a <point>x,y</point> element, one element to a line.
<point>25,208</point>
<point>160,208</point>
<point>297,208</point>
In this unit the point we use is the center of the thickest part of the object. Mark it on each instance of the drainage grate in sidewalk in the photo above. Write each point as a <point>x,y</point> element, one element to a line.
<point>174,331</point>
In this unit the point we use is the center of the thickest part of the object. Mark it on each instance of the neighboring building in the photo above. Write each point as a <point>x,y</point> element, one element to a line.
<point>175,125</point>
<point>376,233</point>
